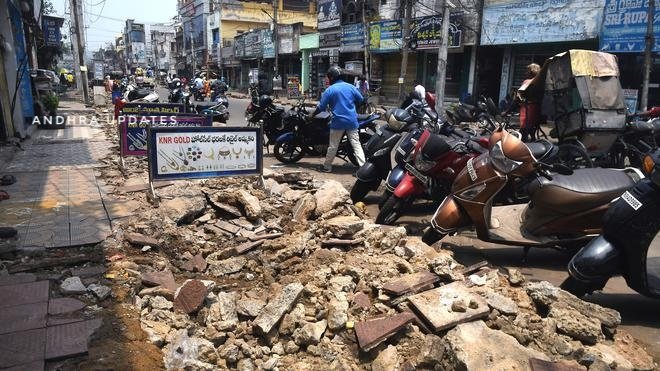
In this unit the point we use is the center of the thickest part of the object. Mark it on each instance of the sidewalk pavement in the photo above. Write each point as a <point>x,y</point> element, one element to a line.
<point>56,202</point>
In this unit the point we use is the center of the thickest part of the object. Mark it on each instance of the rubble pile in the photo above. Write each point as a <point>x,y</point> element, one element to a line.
<point>291,276</point>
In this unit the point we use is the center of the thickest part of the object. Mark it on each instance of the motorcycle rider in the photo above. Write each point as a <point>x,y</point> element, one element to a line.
<point>198,86</point>
<point>341,97</point>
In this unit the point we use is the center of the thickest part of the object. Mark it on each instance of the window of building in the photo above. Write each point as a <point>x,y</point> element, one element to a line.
<point>216,35</point>
<point>296,5</point>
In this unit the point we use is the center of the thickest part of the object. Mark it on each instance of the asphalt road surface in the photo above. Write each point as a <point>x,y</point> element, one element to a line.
<point>639,314</point>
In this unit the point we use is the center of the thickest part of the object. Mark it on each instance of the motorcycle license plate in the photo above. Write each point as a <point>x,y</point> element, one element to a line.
<point>631,200</point>
<point>412,170</point>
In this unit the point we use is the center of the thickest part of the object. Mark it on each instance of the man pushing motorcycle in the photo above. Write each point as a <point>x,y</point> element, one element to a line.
<point>341,97</point>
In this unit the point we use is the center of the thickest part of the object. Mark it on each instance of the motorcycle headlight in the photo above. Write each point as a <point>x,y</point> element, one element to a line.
<point>422,164</point>
<point>500,161</point>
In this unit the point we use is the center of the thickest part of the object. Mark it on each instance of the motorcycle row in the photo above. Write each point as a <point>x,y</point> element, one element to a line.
<point>484,177</point>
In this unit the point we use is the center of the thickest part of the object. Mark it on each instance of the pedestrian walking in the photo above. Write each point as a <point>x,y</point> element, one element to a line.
<point>530,110</point>
<point>341,97</point>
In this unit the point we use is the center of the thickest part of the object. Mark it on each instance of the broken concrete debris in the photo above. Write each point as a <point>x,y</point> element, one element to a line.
<point>298,279</point>
<point>73,286</point>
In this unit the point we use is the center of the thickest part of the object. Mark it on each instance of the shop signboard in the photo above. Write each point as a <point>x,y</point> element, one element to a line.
<point>329,39</point>
<point>534,21</point>
<point>630,97</point>
<point>624,27</point>
<point>133,129</point>
<point>352,38</point>
<point>239,46</point>
<point>253,44</point>
<point>385,36</point>
<point>267,44</point>
<point>285,39</point>
<point>329,14</point>
<point>51,27</point>
<point>204,152</point>
<point>149,109</point>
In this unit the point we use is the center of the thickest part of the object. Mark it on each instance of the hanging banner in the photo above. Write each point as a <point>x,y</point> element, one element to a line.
<point>352,38</point>
<point>187,153</point>
<point>534,21</point>
<point>329,14</point>
<point>148,109</point>
<point>385,36</point>
<point>133,129</point>
<point>253,44</point>
<point>51,27</point>
<point>624,27</point>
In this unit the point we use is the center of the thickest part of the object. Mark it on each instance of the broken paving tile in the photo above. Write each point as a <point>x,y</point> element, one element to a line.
<point>228,209</point>
<point>372,332</point>
<point>228,227</point>
<point>22,347</point>
<point>70,339</point>
<point>64,305</point>
<point>23,317</point>
<point>196,264</point>
<point>32,366</point>
<point>141,240</point>
<point>23,293</point>
<point>435,306</point>
<point>245,247</point>
<point>164,278</point>
<point>361,301</point>
<point>189,298</point>
<point>275,309</point>
<point>73,285</point>
<point>410,283</point>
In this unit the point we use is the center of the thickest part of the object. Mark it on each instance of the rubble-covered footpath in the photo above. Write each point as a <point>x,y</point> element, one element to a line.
<point>289,275</point>
<point>292,276</point>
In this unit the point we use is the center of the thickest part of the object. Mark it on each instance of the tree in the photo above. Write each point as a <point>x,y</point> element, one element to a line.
<point>47,7</point>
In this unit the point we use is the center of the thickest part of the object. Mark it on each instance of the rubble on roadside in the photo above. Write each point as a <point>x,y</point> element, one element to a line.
<point>292,277</point>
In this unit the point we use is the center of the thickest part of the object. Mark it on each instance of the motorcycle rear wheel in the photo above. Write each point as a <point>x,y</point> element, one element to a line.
<point>288,152</point>
<point>361,188</point>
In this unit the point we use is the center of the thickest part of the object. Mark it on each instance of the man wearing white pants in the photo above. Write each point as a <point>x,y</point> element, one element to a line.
<point>341,97</point>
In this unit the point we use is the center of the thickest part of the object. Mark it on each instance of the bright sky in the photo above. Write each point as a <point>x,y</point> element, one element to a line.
<point>113,14</point>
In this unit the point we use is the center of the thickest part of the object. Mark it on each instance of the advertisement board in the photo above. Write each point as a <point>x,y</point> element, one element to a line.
<point>133,129</point>
<point>624,26</point>
<point>329,14</point>
<point>51,27</point>
<point>534,21</point>
<point>385,36</point>
<point>293,86</point>
<point>426,32</point>
<point>204,152</point>
<point>267,44</point>
<point>285,39</point>
<point>352,38</point>
<point>147,109</point>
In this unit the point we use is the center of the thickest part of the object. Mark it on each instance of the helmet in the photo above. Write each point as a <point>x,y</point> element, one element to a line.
<point>333,73</point>
<point>420,92</point>
<point>265,100</point>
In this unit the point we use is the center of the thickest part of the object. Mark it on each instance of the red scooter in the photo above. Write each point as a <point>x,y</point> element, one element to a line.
<point>430,171</point>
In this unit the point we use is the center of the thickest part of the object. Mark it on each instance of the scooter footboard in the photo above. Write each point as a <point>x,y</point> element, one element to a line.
<point>449,216</point>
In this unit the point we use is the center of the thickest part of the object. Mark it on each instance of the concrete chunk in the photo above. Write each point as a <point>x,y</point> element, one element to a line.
<point>276,308</point>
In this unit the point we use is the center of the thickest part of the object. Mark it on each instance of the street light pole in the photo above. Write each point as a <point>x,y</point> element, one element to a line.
<point>442,59</point>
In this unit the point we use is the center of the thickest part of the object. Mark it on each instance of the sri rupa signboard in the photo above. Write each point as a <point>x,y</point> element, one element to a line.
<point>624,26</point>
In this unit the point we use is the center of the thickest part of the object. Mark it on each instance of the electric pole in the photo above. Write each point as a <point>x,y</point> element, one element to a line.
<point>366,39</point>
<point>442,60</point>
<point>648,54</point>
<point>192,49</point>
<point>406,38</point>
<point>220,43</point>
<point>276,41</point>
<point>76,9</point>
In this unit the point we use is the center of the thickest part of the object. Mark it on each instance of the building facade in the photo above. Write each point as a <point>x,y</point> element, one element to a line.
<point>162,37</point>
<point>135,45</point>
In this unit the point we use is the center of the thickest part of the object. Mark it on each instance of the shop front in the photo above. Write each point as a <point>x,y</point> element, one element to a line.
<point>308,44</point>
<point>385,41</point>
<point>352,49</point>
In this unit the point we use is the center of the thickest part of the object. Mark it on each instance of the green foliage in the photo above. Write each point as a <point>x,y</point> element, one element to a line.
<point>51,102</point>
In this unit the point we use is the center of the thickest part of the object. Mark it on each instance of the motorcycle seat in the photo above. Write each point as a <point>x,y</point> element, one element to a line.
<point>540,148</point>
<point>363,116</point>
<point>141,93</point>
<point>583,190</point>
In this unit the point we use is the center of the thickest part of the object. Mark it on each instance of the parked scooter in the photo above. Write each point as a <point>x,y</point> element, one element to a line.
<point>270,117</point>
<point>218,110</point>
<point>565,209</point>
<point>630,242</point>
<point>135,94</point>
<point>312,138</point>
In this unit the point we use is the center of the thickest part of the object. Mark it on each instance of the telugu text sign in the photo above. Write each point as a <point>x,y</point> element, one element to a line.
<point>185,153</point>
<point>133,129</point>
<point>534,21</point>
<point>147,109</point>
<point>624,26</point>
<point>385,36</point>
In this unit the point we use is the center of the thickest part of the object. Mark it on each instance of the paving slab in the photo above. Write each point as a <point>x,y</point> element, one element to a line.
<point>19,348</point>
<point>410,282</point>
<point>13,279</point>
<point>70,339</point>
<point>64,305</point>
<point>23,317</point>
<point>372,332</point>
<point>23,293</point>
<point>31,366</point>
<point>164,279</point>
<point>435,306</point>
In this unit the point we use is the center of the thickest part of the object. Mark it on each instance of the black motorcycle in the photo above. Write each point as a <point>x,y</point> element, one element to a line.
<point>312,138</point>
<point>630,243</point>
<point>218,110</point>
<point>270,117</point>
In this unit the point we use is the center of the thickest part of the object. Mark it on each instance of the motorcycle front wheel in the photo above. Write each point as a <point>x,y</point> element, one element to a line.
<point>288,152</point>
<point>392,210</point>
<point>361,188</point>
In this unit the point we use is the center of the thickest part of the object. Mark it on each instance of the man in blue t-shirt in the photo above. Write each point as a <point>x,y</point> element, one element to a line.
<point>341,97</point>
